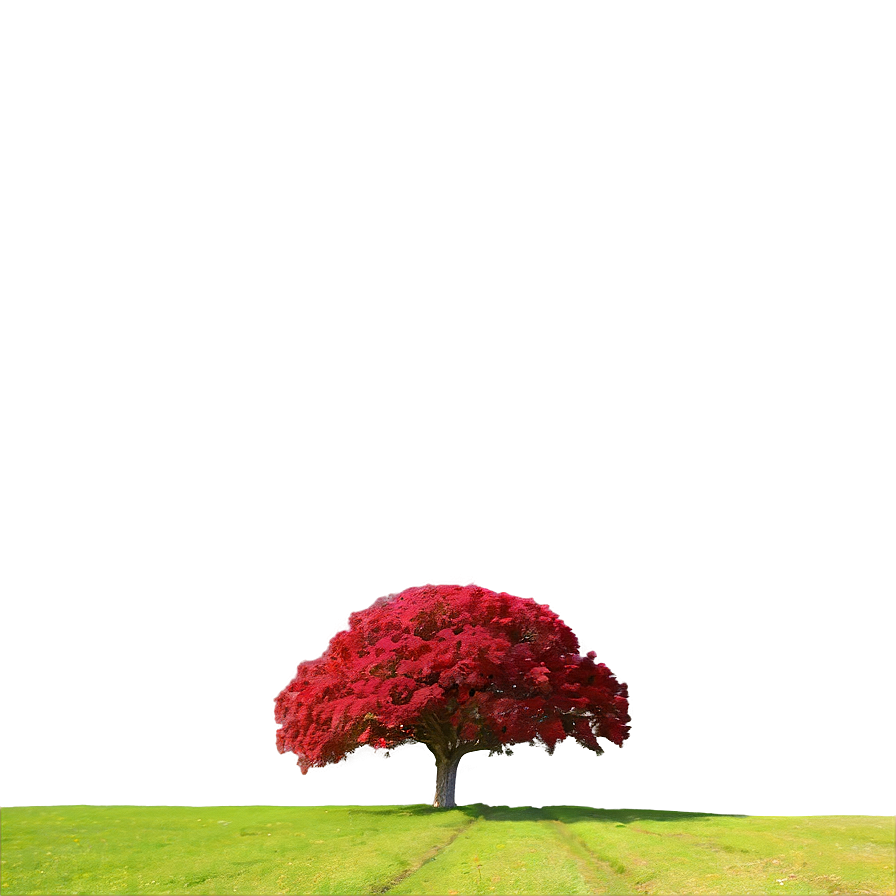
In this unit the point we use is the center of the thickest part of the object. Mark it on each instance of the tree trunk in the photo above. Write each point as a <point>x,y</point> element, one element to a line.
<point>446,775</point>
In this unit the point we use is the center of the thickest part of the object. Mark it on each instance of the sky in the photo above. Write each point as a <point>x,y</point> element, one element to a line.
<point>308,304</point>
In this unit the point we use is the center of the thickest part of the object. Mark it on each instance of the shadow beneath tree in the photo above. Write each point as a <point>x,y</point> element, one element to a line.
<point>572,814</point>
<point>566,814</point>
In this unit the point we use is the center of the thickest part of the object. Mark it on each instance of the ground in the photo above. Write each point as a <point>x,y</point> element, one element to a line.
<point>421,850</point>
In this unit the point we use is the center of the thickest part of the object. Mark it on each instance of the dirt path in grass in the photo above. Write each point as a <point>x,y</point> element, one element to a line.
<point>514,851</point>
<point>428,856</point>
<point>598,872</point>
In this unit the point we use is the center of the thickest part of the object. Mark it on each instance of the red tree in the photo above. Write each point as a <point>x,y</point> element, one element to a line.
<point>456,668</point>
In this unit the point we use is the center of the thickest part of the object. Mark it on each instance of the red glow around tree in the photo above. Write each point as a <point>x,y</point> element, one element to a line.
<point>457,668</point>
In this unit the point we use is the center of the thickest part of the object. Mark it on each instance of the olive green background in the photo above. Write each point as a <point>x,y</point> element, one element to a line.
<point>304,303</point>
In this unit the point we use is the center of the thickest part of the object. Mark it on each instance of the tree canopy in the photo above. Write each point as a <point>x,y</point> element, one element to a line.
<point>458,668</point>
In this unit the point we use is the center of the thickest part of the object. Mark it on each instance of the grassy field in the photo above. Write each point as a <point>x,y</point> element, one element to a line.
<point>419,850</point>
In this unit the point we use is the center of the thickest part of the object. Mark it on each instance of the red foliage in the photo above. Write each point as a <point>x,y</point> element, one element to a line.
<point>457,668</point>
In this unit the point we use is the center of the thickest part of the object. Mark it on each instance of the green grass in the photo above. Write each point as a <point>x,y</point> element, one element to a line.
<point>419,850</point>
